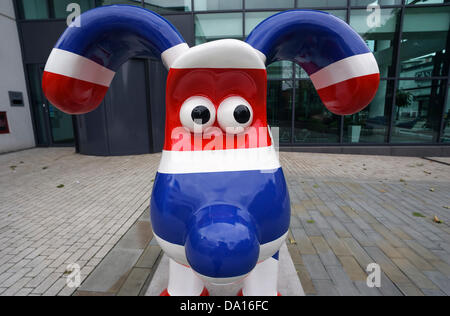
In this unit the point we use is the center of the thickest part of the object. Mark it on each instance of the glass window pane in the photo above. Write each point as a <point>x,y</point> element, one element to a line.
<point>380,37</point>
<point>33,9</point>
<point>372,124</point>
<point>110,2</point>
<point>36,103</point>
<point>446,133</point>
<point>412,2</point>
<point>365,3</point>
<point>269,4</point>
<point>313,123</point>
<point>424,49</point>
<point>279,108</point>
<point>210,5</point>
<point>280,70</point>
<point>418,110</point>
<point>341,14</point>
<point>252,19</point>
<point>167,6</point>
<point>214,26</point>
<point>321,3</point>
<point>60,7</point>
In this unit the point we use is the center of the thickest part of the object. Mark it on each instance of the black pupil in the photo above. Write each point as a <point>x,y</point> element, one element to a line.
<point>201,114</point>
<point>242,114</point>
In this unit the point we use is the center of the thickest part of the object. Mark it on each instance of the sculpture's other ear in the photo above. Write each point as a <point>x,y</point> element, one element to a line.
<point>341,66</point>
<point>83,63</point>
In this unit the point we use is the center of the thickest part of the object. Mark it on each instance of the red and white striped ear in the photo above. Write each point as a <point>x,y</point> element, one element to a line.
<point>338,61</point>
<point>83,63</point>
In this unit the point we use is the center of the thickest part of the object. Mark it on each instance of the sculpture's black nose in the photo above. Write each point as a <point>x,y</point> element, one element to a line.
<point>222,243</point>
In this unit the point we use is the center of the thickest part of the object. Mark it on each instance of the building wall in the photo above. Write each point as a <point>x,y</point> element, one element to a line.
<point>12,78</point>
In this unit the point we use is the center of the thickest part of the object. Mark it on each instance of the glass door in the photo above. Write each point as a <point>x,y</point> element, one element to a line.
<point>53,127</point>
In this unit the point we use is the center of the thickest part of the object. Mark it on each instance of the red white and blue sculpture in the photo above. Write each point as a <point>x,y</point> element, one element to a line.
<point>220,206</point>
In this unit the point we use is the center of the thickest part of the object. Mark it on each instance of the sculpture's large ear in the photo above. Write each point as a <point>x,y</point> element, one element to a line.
<point>341,66</point>
<point>83,63</point>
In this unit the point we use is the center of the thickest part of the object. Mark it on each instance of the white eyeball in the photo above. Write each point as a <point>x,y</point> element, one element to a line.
<point>234,115</point>
<point>197,113</point>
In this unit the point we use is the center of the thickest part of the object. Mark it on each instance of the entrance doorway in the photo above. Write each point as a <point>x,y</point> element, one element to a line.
<point>53,127</point>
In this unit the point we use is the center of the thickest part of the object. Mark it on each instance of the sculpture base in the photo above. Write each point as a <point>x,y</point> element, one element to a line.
<point>288,283</point>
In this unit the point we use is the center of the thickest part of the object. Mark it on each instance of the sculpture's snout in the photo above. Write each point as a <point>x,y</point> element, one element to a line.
<point>222,244</point>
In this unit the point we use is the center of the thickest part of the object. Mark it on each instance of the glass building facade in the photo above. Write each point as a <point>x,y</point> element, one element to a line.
<point>410,40</point>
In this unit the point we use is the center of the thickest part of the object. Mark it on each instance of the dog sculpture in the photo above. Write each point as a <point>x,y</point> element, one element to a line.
<point>220,206</point>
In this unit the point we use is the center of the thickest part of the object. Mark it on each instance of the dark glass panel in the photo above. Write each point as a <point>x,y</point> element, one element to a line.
<point>269,4</point>
<point>168,6</point>
<point>446,133</point>
<point>214,26</point>
<point>279,108</point>
<point>33,9</point>
<point>425,47</point>
<point>313,122</point>
<point>372,124</point>
<point>418,110</point>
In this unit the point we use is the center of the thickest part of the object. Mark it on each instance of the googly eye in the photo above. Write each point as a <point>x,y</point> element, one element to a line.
<point>234,115</point>
<point>197,113</point>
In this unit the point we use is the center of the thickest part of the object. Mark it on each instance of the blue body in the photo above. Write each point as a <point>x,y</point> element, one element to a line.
<point>222,217</point>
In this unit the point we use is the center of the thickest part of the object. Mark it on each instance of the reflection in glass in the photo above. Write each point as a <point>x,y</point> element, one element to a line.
<point>321,3</point>
<point>279,108</point>
<point>424,50</point>
<point>280,70</point>
<point>269,4</point>
<point>365,3</point>
<point>446,133</point>
<point>313,122</point>
<point>209,5</point>
<point>412,2</point>
<point>61,125</point>
<point>418,110</point>
<point>372,124</point>
<point>252,19</point>
<point>379,36</point>
<point>33,9</point>
<point>166,6</point>
<point>214,26</point>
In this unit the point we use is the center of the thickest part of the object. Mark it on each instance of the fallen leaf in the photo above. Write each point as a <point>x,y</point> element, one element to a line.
<point>292,241</point>
<point>310,222</point>
<point>417,214</point>
<point>437,220</point>
<point>427,172</point>
<point>432,190</point>
<point>447,207</point>
<point>60,186</point>
<point>13,168</point>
